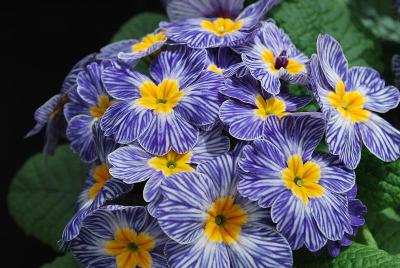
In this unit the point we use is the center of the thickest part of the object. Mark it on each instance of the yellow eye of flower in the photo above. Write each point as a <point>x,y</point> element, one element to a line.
<point>101,175</point>
<point>214,68</point>
<point>272,106</point>
<point>162,98</point>
<point>171,163</point>
<point>349,104</point>
<point>148,41</point>
<point>103,103</point>
<point>130,248</point>
<point>276,63</point>
<point>222,26</point>
<point>225,220</point>
<point>302,178</point>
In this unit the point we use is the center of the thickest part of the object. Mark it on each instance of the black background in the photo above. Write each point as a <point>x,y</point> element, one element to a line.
<point>40,42</point>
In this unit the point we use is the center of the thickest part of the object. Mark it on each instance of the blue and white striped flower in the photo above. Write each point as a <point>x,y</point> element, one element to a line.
<point>272,56</point>
<point>87,104</point>
<point>306,191</point>
<point>99,187</point>
<point>132,50</point>
<point>162,113</point>
<point>210,23</point>
<point>120,237</point>
<point>250,106</point>
<point>211,225</point>
<point>349,98</point>
<point>51,114</point>
<point>132,164</point>
<point>221,60</point>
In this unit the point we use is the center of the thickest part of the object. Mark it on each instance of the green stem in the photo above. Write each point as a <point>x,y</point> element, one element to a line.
<point>368,237</point>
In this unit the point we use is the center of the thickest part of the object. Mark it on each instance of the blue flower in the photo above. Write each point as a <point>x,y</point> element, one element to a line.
<point>272,56</point>
<point>349,99</point>
<point>221,60</point>
<point>211,225</point>
<point>120,237</point>
<point>305,190</point>
<point>250,107</point>
<point>87,104</point>
<point>162,113</point>
<point>209,23</point>
<point>132,164</point>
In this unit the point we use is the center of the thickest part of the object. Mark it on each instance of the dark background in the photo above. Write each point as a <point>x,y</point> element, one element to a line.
<point>40,42</point>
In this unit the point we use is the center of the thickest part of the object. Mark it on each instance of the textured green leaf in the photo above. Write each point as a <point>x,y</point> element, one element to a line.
<point>139,26</point>
<point>42,195</point>
<point>378,182</point>
<point>66,261</point>
<point>304,20</point>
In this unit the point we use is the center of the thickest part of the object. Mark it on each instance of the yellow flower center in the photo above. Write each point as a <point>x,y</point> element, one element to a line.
<point>222,26</point>
<point>103,103</point>
<point>59,108</point>
<point>302,179</point>
<point>130,248</point>
<point>349,104</point>
<point>148,41</point>
<point>272,106</point>
<point>171,163</point>
<point>162,98</point>
<point>214,68</point>
<point>225,220</point>
<point>101,175</point>
<point>276,63</point>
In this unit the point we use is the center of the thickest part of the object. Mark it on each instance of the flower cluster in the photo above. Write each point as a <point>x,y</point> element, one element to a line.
<point>218,76</point>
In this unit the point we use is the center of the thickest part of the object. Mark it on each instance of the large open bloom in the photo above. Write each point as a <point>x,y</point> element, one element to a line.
<point>210,23</point>
<point>162,113</point>
<point>349,99</point>
<point>272,56</point>
<point>250,106</point>
<point>306,191</point>
<point>120,237</point>
<point>212,225</point>
<point>132,164</point>
<point>87,104</point>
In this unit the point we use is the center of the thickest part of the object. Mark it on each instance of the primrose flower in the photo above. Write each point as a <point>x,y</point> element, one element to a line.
<point>120,237</point>
<point>99,187</point>
<point>133,50</point>
<point>272,56</point>
<point>87,104</point>
<point>205,24</point>
<point>219,60</point>
<point>162,113</point>
<point>250,107</point>
<point>212,225</point>
<point>51,114</point>
<point>132,164</point>
<point>349,99</point>
<point>306,191</point>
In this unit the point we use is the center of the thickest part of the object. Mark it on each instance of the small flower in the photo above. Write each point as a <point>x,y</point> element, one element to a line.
<point>212,225</point>
<point>162,113</point>
<point>220,60</point>
<point>272,56</point>
<point>348,99</point>
<point>121,237</point>
<point>132,50</point>
<point>132,164</point>
<point>212,23</point>
<point>88,102</point>
<point>305,190</point>
<point>250,107</point>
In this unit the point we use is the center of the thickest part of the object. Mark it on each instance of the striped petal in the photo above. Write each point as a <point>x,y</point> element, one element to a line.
<point>244,89</point>
<point>200,253</point>
<point>90,85</point>
<point>166,132</point>
<point>79,132</point>
<point>381,138</point>
<point>70,80</point>
<point>152,189</point>
<point>242,120</point>
<point>260,246</point>
<point>111,51</point>
<point>182,213</point>
<point>253,13</point>
<point>294,103</point>
<point>75,106</point>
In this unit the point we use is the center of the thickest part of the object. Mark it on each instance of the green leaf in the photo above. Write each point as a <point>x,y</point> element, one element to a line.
<point>378,182</point>
<point>355,256</point>
<point>42,195</point>
<point>66,261</point>
<point>304,20</point>
<point>139,26</point>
